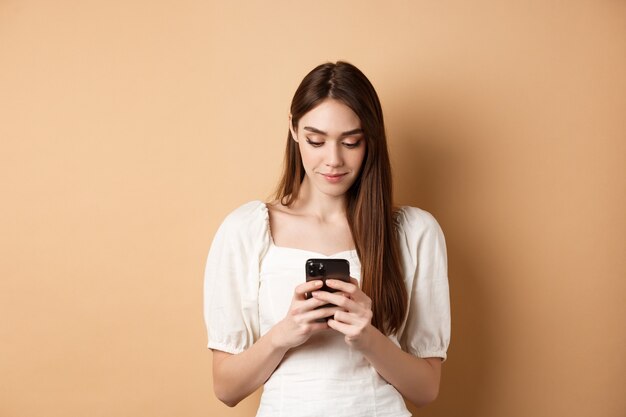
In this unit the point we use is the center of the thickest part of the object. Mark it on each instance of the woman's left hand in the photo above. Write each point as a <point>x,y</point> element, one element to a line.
<point>356,321</point>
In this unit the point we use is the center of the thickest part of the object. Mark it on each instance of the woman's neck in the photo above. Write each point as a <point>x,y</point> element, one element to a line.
<point>323,206</point>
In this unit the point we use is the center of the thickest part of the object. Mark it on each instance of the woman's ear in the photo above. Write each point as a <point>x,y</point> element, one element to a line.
<point>291,128</point>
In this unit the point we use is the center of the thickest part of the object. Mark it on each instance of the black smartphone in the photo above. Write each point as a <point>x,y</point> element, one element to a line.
<point>324,269</point>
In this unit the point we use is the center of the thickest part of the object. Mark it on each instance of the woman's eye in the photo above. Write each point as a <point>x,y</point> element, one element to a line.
<point>351,145</point>
<point>313,143</point>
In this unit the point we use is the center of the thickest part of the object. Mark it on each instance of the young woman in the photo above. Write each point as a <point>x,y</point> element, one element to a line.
<point>388,332</point>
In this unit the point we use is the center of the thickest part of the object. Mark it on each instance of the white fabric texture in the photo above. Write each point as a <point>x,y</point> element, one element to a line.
<point>249,283</point>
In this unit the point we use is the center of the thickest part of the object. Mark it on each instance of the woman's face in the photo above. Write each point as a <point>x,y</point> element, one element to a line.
<point>332,145</point>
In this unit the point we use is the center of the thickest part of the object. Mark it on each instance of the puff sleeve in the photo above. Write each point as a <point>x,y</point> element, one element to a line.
<point>426,332</point>
<point>231,279</point>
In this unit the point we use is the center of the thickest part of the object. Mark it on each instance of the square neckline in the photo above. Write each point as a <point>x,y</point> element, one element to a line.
<point>352,252</point>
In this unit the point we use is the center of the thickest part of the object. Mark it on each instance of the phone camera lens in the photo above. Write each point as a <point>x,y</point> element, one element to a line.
<point>315,269</point>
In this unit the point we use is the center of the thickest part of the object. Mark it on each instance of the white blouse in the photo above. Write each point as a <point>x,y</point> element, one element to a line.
<point>249,283</point>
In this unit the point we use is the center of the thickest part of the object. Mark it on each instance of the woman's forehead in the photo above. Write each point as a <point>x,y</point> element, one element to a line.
<point>331,117</point>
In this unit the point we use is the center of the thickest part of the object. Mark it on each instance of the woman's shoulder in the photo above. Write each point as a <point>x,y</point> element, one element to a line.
<point>415,219</point>
<point>246,211</point>
<point>247,217</point>
<point>420,235</point>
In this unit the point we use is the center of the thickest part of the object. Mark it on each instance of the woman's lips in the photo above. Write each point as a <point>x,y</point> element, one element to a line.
<point>333,178</point>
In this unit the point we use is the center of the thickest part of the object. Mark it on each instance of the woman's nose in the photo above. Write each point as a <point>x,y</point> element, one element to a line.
<point>334,157</point>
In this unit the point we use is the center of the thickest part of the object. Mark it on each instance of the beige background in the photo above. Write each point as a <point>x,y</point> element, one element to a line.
<point>130,128</point>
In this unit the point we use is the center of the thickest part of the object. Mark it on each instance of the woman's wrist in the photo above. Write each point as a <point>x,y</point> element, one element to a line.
<point>276,341</point>
<point>371,341</point>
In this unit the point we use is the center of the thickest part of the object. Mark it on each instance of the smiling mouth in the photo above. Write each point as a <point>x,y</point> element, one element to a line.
<point>333,178</point>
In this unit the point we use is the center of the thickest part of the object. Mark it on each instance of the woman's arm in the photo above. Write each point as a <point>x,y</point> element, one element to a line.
<point>415,378</point>
<point>235,376</point>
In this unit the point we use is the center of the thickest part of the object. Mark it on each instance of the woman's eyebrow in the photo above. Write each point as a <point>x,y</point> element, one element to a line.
<point>321,132</point>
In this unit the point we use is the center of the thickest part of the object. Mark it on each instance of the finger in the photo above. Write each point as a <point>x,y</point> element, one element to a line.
<point>346,329</point>
<point>351,289</point>
<point>318,326</point>
<point>305,287</point>
<point>311,303</point>
<point>304,306</point>
<point>347,287</point>
<point>320,313</point>
<point>348,318</point>
<point>336,299</point>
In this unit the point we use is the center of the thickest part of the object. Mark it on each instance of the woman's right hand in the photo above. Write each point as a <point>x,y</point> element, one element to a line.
<point>299,323</point>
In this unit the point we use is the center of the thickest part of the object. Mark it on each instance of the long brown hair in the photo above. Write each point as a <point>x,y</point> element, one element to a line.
<point>369,200</point>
